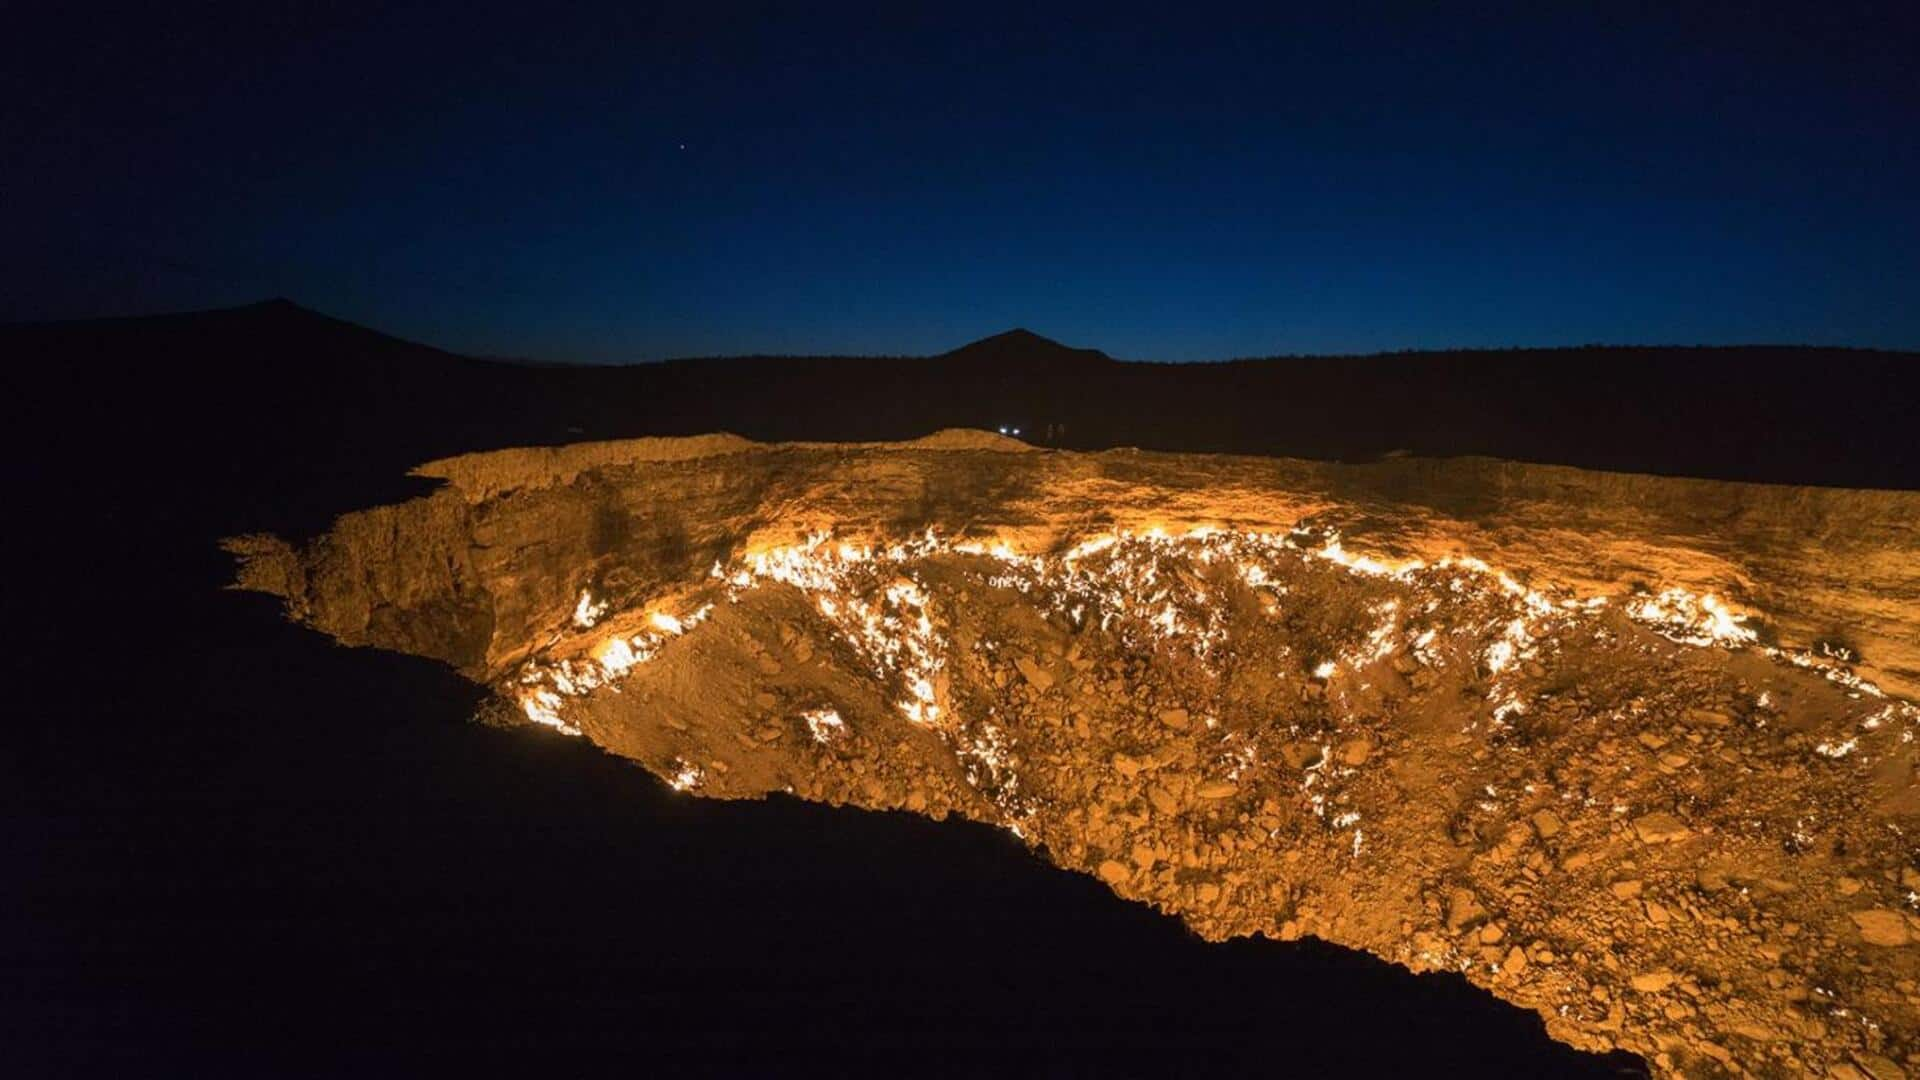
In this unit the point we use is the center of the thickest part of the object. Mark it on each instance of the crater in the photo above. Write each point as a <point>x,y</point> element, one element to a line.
<point>1581,737</point>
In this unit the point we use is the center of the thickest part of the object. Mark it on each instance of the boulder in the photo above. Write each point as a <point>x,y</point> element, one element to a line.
<point>1653,982</point>
<point>1037,677</point>
<point>1660,827</point>
<point>1879,926</point>
<point>1547,824</point>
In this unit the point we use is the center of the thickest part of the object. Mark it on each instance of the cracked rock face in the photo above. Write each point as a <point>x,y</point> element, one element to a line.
<point>1635,753</point>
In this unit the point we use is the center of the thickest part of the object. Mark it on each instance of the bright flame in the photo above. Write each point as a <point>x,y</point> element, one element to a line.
<point>686,777</point>
<point>586,612</point>
<point>824,725</point>
<point>1154,590</point>
<point>1683,617</point>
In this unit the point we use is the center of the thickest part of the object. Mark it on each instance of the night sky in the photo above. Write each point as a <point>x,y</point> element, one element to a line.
<point>620,183</point>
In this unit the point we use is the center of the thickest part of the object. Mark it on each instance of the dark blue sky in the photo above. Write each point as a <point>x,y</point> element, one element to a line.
<point>621,182</point>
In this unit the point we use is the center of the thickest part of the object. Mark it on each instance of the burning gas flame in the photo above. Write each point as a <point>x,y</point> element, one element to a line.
<point>1141,585</point>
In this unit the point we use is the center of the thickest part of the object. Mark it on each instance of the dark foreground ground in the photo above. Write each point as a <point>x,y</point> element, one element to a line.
<point>236,849</point>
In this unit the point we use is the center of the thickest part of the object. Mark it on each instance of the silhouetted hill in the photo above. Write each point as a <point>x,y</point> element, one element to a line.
<point>1021,347</point>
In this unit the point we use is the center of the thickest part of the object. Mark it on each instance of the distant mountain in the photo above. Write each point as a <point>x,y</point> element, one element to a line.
<point>1021,346</point>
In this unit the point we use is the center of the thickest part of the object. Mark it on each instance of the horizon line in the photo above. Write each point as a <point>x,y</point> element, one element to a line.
<point>1087,352</point>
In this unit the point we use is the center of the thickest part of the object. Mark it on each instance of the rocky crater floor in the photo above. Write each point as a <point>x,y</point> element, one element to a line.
<point>1635,753</point>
